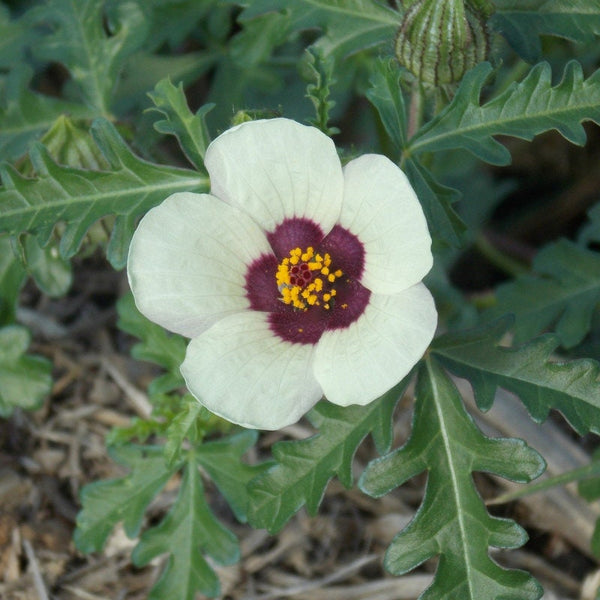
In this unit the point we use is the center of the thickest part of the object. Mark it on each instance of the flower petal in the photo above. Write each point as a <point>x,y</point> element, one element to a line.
<point>360,363</point>
<point>188,260</point>
<point>277,169</point>
<point>240,370</point>
<point>382,210</point>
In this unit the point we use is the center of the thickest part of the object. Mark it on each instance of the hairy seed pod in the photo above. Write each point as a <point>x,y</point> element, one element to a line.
<point>439,40</point>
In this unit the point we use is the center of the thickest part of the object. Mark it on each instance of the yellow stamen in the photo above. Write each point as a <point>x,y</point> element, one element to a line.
<point>302,294</point>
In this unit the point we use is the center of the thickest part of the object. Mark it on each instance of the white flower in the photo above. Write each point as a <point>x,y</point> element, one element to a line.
<point>294,278</point>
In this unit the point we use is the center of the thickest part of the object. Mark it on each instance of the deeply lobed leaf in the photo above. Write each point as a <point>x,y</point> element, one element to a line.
<point>80,198</point>
<point>79,40</point>
<point>189,531</point>
<point>385,94</point>
<point>156,344</point>
<point>25,115</point>
<point>189,129</point>
<point>437,200</point>
<point>523,21</point>
<point>523,110</point>
<point>452,521</point>
<point>571,387</point>
<point>562,292</point>
<point>303,468</point>
<point>107,503</point>
<point>348,25</point>
<point>318,93</point>
<point>222,460</point>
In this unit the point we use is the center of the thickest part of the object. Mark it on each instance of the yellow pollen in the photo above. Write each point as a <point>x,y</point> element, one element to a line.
<point>295,279</point>
<point>308,254</point>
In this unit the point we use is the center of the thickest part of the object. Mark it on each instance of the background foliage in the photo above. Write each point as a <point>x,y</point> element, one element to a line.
<point>107,107</point>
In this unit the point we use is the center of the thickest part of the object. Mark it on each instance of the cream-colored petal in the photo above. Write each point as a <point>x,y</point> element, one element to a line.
<point>277,169</point>
<point>360,363</point>
<point>240,370</point>
<point>188,259</point>
<point>382,210</point>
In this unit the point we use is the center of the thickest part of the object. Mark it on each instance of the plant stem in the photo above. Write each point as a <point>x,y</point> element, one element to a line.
<point>499,259</point>
<point>415,110</point>
<point>585,472</point>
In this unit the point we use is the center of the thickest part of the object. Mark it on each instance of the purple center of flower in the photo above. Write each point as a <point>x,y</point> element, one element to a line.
<point>311,282</point>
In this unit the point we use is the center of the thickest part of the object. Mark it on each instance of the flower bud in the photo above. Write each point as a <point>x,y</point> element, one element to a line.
<point>439,40</point>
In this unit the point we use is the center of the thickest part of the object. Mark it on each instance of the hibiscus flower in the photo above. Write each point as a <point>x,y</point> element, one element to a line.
<point>294,278</point>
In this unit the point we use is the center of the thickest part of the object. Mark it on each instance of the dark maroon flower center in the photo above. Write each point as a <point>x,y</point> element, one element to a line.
<point>311,282</point>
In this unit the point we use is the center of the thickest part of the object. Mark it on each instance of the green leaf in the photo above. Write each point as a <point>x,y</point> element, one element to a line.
<point>157,345</point>
<point>185,424</point>
<point>385,94</point>
<point>15,37</point>
<point>25,115</point>
<point>222,460</point>
<point>80,198</point>
<point>452,305</point>
<point>321,71</point>
<point>71,143</point>
<point>12,278</point>
<point>68,143</point>
<point>348,25</point>
<point>562,293</point>
<point>528,371</point>
<point>52,274</point>
<point>590,232</point>
<point>142,71</point>
<point>305,467</point>
<point>189,531</point>
<point>79,40</point>
<point>436,199</point>
<point>189,128</point>
<point>258,38</point>
<point>107,503</point>
<point>24,379</point>
<point>452,521</point>
<point>523,21</point>
<point>170,21</point>
<point>523,110</point>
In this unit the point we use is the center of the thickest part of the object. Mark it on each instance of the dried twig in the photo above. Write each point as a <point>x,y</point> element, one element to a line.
<point>40,588</point>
